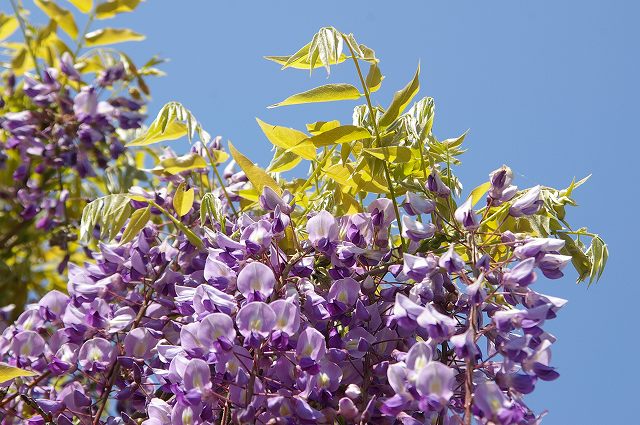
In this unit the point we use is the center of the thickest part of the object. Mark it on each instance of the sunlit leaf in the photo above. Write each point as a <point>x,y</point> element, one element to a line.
<point>400,100</point>
<point>477,193</point>
<point>256,175</point>
<point>111,8</point>
<point>62,16</point>
<point>322,126</point>
<point>8,25</point>
<point>190,161</point>
<point>138,220</point>
<point>83,6</point>
<point>173,131</point>
<point>111,36</point>
<point>283,160</point>
<point>8,372</point>
<point>287,138</point>
<point>109,212</point>
<point>325,93</point>
<point>300,59</point>
<point>342,134</point>
<point>183,200</point>
<point>393,154</point>
<point>374,78</point>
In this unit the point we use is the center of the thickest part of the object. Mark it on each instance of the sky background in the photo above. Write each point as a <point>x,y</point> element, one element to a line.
<point>548,87</point>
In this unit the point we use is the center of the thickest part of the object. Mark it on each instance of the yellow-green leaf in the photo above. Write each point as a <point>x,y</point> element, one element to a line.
<point>183,200</point>
<point>283,161</point>
<point>111,8</point>
<point>8,25</point>
<point>325,93</point>
<point>322,126</point>
<point>190,161</point>
<point>400,100</point>
<point>256,175</point>
<point>287,138</point>
<point>342,134</point>
<point>374,78</point>
<point>62,16</point>
<point>477,193</point>
<point>138,220</point>
<point>111,36</point>
<point>83,6</point>
<point>173,131</point>
<point>395,154</point>
<point>8,373</point>
<point>300,59</point>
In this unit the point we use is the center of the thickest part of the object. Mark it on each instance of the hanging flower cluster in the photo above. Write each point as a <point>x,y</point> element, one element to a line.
<point>344,330</point>
<point>65,125</point>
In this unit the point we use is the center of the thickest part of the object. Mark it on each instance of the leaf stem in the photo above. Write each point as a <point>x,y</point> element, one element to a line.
<point>378,141</point>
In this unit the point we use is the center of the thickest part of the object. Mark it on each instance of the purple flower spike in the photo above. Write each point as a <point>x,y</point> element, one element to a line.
<point>287,321</point>
<point>528,204</point>
<point>435,384</point>
<point>406,312</point>
<point>139,342</point>
<point>310,349</point>
<point>551,265</point>
<point>437,186</point>
<point>464,345</point>
<point>343,293</point>
<point>217,328</point>
<point>417,268</point>
<point>323,230</point>
<point>415,230</point>
<point>521,275</point>
<point>256,281</point>
<point>501,189</point>
<point>439,326</point>
<point>28,345</point>
<point>96,355</point>
<point>382,214</point>
<point>255,321</point>
<point>465,215</point>
<point>416,204</point>
<point>197,375</point>
<point>492,404</point>
<point>451,261</point>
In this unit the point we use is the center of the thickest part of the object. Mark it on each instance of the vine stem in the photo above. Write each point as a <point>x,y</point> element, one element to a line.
<point>378,140</point>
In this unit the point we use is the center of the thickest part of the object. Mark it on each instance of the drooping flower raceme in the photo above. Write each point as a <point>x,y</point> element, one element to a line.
<point>179,334</point>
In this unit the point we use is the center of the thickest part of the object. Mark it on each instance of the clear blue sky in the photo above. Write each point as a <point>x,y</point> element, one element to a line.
<point>547,87</point>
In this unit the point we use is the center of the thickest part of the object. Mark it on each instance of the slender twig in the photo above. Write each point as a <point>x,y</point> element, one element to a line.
<point>372,115</point>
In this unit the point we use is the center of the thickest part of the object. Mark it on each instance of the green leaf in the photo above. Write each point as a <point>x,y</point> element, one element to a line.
<point>111,8</point>
<point>477,193</point>
<point>325,93</point>
<point>109,212</point>
<point>8,25</point>
<point>138,220</point>
<point>300,59</point>
<point>342,134</point>
<point>287,138</point>
<point>283,161</point>
<point>190,161</point>
<point>256,175</point>
<point>393,154</point>
<point>183,200</point>
<point>400,100</point>
<point>83,6</point>
<point>326,46</point>
<point>111,36</point>
<point>7,373</point>
<point>172,122</point>
<point>322,126</point>
<point>173,131</point>
<point>212,206</point>
<point>374,78</point>
<point>62,16</point>
<point>599,254</point>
